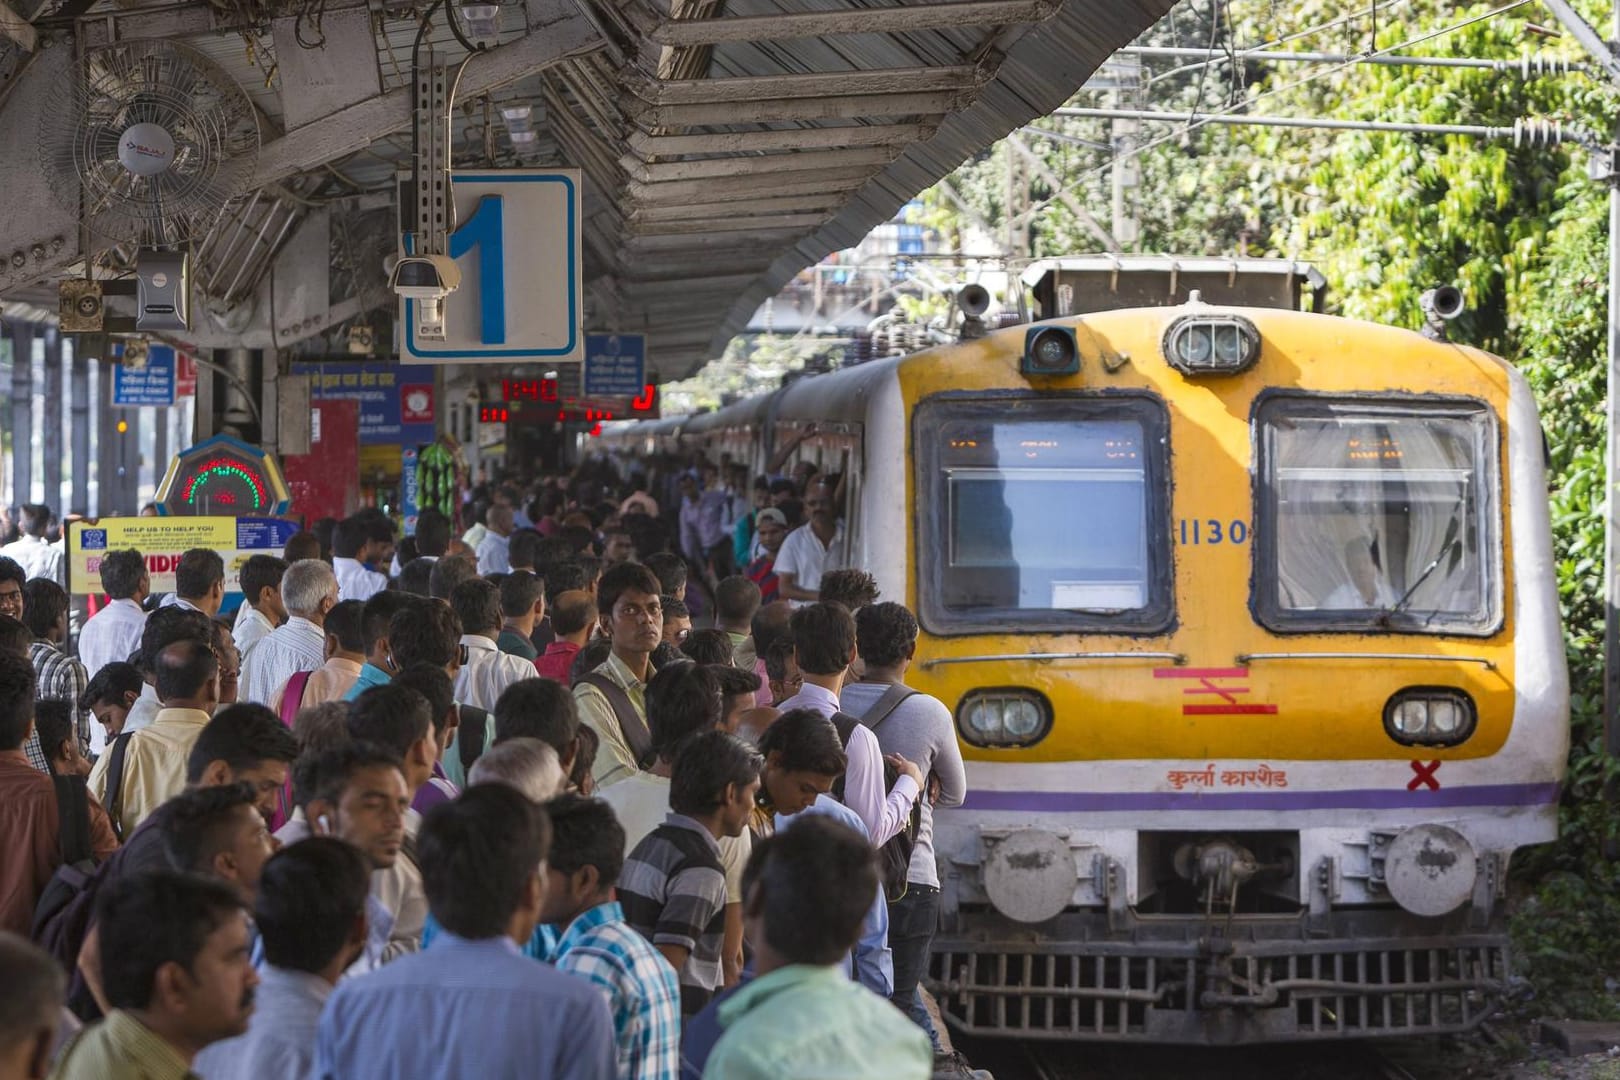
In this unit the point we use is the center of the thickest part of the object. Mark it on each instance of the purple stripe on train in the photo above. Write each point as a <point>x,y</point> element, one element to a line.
<point>1359,799</point>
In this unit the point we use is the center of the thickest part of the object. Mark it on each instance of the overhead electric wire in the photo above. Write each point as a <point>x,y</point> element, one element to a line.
<point>1247,102</point>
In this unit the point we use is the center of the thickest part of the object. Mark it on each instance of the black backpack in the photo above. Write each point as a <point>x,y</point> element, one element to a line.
<point>471,730</point>
<point>894,856</point>
<point>62,916</point>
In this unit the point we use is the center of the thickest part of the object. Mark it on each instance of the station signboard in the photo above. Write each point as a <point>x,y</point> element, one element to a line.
<point>396,405</point>
<point>150,384</point>
<point>615,365</point>
<point>162,540</point>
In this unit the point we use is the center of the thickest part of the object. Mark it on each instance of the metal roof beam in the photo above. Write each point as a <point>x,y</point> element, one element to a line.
<point>847,107</point>
<point>739,245</point>
<point>806,183</point>
<point>744,225</point>
<point>741,142</point>
<point>565,31</point>
<point>17,28</point>
<point>739,212</point>
<point>818,84</point>
<point>884,20</point>
<point>804,162</point>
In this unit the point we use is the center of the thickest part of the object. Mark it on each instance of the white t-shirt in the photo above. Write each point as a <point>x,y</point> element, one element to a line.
<point>803,556</point>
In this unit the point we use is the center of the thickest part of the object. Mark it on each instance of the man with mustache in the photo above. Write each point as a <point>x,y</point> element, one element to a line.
<point>176,972</point>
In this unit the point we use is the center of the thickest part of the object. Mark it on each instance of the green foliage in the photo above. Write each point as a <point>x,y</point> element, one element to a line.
<point>1520,228</point>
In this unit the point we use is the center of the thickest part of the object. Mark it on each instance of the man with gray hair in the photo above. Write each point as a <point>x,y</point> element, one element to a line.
<point>308,590</point>
<point>29,1009</point>
<point>528,765</point>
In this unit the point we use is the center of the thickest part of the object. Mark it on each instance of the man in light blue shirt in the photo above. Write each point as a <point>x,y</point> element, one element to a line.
<point>311,914</point>
<point>471,1005</point>
<point>870,963</point>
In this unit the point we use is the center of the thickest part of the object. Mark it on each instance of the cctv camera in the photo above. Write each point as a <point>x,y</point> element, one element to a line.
<point>426,279</point>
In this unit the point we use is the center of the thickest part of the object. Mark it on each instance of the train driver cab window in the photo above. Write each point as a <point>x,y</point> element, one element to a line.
<point>1043,514</point>
<point>1378,516</point>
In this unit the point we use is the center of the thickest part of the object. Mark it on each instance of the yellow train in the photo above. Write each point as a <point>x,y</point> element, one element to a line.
<point>1247,617</point>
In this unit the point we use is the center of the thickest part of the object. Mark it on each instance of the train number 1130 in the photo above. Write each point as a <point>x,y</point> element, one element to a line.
<point>1213,531</point>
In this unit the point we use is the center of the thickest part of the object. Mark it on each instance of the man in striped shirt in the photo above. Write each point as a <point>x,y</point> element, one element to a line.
<point>673,887</point>
<point>643,992</point>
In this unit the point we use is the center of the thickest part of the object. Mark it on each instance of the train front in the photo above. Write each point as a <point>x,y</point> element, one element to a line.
<point>1248,621</point>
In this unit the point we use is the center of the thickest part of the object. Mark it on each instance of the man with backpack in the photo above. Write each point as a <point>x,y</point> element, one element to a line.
<point>243,744</point>
<point>823,648</point>
<point>919,728</point>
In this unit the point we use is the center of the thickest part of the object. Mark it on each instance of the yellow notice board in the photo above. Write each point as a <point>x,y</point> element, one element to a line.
<point>162,540</point>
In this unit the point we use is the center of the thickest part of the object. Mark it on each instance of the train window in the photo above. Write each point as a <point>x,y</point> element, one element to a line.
<point>1378,515</point>
<point>1044,514</point>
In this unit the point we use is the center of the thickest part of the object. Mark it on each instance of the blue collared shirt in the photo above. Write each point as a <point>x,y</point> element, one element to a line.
<point>369,676</point>
<point>280,1039</point>
<point>640,985</point>
<point>466,1009</point>
<point>872,963</point>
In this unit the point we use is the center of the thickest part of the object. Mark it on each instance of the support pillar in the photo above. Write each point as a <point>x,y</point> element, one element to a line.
<point>22,411</point>
<point>79,413</point>
<point>51,423</point>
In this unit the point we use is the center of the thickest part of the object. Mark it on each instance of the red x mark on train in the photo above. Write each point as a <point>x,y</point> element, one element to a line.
<point>1425,775</point>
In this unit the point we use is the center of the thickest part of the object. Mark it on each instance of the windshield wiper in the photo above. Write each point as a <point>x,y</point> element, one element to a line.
<point>1400,604</point>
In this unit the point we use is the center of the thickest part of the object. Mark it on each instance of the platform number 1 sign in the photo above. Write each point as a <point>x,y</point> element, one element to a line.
<point>517,236</point>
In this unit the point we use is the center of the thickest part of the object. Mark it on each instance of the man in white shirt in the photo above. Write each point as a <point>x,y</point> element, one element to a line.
<point>310,590</point>
<point>810,550</point>
<point>494,551</point>
<point>37,556</point>
<point>114,632</point>
<point>823,648</point>
<point>488,671</point>
<point>262,610</point>
<point>354,544</point>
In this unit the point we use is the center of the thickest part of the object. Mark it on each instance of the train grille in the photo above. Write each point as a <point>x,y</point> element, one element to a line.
<point>1271,991</point>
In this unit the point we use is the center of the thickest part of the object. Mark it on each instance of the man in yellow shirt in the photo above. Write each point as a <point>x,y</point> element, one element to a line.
<point>187,677</point>
<point>183,980</point>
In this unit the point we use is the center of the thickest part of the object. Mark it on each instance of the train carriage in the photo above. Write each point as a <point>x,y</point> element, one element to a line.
<point>1248,621</point>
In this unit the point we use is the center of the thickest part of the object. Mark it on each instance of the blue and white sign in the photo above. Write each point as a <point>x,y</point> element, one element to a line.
<point>150,384</point>
<point>518,246</point>
<point>615,365</point>
<point>383,392</point>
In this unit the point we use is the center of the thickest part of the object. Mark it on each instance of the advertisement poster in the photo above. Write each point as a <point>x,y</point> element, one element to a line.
<point>164,539</point>
<point>395,407</point>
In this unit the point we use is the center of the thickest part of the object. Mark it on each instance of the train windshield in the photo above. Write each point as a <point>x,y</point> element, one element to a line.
<point>1045,515</point>
<point>1378,516</point>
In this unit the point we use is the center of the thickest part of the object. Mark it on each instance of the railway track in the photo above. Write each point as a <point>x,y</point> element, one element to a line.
<point>1415,1059</point>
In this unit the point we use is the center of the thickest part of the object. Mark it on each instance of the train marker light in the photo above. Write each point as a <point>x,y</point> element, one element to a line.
<point>1050,350</point>
<point>1006,716</point>
<point>1430,716</point>
<point>1211,344</point>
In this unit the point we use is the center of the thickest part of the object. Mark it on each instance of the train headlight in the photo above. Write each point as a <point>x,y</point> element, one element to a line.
<point>1211,344</point>
<point>1004,717</point>
<point>1430,716</point>
<point>1050,350</point>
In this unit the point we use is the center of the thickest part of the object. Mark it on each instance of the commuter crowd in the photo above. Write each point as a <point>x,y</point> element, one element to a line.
<point>623,780</point>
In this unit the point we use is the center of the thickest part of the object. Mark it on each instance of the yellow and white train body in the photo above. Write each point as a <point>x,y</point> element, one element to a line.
<point>1250,630</point>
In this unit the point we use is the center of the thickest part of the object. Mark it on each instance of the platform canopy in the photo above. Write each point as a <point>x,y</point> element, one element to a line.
<point>726,144</point>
